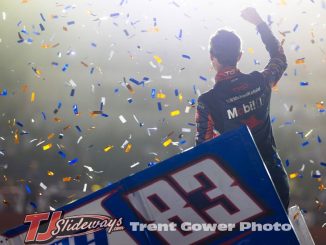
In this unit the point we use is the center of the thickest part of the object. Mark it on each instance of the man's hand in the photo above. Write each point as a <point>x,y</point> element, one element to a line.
<point>251,15</point>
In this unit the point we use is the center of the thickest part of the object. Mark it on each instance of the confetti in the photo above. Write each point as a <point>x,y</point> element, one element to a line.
<point>293,175</point>
<point>134,165</point>
<point>203,78</point>
<point>33,97</point>
<point>122,119</point>
<point>303,83</point>
<point>108,148</point>
<point>50,173</point>
<point>75,110</point>
<point>73,161</point>
<point>42,16</point>
<point>159,106</point>
<point>158,59</point>
<point>315,174</point>
<point>69,23</point>
<point>62,154</point>
<point>43,186</point>
<point>305,143</point>
<point>85,187</point>
<point>300,61</point>
<point>47,147</point>
<point>28,190</point>
<point>79,139</point>
<point>3,92</point>
<point>167,142</point>
<point>128,148</point>
<point>185,56</point>
<point>174,113</point>
<point>67,179</point>
<point>161,96</point>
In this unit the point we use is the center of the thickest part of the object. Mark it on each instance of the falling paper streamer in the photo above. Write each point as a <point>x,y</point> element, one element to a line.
<point>43,186</point>
<point>85,187</point>
<point>122,119</point>
<point>108,148</point>
<point>134,165</point>
<point>47,147</point>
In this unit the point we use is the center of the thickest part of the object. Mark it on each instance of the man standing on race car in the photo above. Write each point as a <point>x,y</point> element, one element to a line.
<point>244,99</point>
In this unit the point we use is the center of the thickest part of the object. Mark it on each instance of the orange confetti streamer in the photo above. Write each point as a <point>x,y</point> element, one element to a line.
<point>128,148</point>
<point>50,136</point>
<point>67,179</point>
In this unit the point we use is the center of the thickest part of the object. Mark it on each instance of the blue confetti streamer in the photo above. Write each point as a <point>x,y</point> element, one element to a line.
<point>133,80</point>
<point>72,92</point>
<point>295,28</point>
<point>55,63</point>
<point>180,34</point>
<point>203,78</point>
<point>305,143</point>
<point>73,161</point>
<point>70,23</point>
<point>153,94</point>
<point>78,128</point>
<point>126,32</point>
<point>129,100</point>
<point>159,106</point>
<point>92,70</point>
<point>176,92</point>
<point>75,109</point>
<point>287,162</point>
<point>114,15</point>
<point>303,83</point>
<point>62,154</point>
<point>323,164</point>
<point>94,45</point>
<point>186,56</point>
<point>28,189</point>
<point>319,139</point>
<point>33,204</point>
<point>65,67</point>
<point>42,27</point>
<point>42,16</point>
<point>43,115</point>
<point>59,104</point>
<point>104,115</point>
<point>4,92</point>
<point>19,124</point>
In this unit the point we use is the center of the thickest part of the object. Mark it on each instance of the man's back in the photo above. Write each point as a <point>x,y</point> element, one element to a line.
<point>242,99</point>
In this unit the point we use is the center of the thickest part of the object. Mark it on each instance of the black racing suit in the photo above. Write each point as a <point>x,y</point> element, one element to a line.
<point>244,99</point>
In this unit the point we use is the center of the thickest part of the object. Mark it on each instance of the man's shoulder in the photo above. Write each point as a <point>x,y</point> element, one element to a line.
<point>254,74</point>
<point>204,97</point>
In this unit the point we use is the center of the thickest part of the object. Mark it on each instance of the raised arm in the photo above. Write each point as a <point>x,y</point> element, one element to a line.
<point>277,63</point>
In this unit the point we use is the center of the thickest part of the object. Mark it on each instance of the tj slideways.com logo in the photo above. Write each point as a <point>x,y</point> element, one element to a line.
<point>42,229</point>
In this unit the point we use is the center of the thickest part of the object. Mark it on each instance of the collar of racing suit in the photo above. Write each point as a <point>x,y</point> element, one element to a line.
<point>226,73</point>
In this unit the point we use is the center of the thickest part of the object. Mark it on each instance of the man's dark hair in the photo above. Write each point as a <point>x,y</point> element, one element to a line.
<point>225,46</point>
